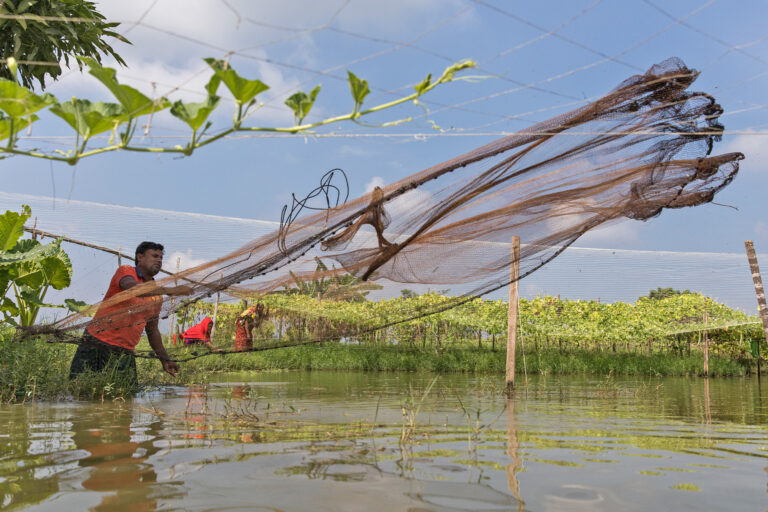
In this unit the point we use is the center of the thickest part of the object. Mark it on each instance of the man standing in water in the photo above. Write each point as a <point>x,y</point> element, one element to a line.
<point>115,330</point>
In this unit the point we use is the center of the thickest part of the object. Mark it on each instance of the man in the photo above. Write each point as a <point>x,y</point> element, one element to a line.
<point>115,330</point>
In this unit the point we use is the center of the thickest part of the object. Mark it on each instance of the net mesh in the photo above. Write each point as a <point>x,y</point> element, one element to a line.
<point>643,147</point>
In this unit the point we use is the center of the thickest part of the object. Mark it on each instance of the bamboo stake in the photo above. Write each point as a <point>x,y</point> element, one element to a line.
<point>216,307</point>
<point>706,346</point>
<point>514,273</point>
<point>172,316</point>
<point>119,259</point>
<point>759,291</point>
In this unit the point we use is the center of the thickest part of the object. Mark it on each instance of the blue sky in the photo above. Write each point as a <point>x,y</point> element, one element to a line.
<point>562,52</point>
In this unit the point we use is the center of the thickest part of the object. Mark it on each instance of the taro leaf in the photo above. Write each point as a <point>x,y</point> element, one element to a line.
<point>135,103</point>
<point>242,89</point>
<point>423,85</point>
<point>57,270</point>
<point>18,125</point>
<point>12,227</point>
<point>301,103</point>
<point>195,114</point>
<point>88,118</point>
<point>76,306</point>
<point>19,102</point>
<point>31,297</point>
<point>8,306</point>
<point>358,88</point>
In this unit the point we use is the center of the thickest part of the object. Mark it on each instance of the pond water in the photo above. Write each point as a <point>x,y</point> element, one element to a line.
<point>411,442</point>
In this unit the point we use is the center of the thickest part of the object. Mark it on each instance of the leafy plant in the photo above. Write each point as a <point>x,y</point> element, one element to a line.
<point>31,34</point>
<point>19,108</point>
<point>28,269</point>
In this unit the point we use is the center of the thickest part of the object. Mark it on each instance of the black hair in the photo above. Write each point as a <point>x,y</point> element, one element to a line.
<point>146,246</point>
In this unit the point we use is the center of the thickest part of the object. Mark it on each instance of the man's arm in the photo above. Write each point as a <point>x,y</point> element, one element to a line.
<point>156,342</point>
<point>128,282</point>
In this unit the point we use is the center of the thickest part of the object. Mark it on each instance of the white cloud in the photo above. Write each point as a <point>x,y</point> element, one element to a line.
<point>186,260</point>
<point>376,181</point>
<point>755,151</point>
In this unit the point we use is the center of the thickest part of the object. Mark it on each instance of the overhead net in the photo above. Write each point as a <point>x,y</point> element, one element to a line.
<point>644,147</point>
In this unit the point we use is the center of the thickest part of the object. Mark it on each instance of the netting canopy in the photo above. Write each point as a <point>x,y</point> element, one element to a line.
<point>644,147</point>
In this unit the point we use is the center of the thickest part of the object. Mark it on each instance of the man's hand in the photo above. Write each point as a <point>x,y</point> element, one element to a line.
<point>170,367</point>
<point>178,290</point>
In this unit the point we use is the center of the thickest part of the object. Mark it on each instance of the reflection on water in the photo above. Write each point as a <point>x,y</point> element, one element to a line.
<point>339,441</point>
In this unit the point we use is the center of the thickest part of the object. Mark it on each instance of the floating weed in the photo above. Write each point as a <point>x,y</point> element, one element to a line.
<point>679,470</point>
<point>709,466</point>
<point>604,461</point>
<point>646,455</point>
<point>686,487</point>
<point>652,473</point>
<point>479,463</point>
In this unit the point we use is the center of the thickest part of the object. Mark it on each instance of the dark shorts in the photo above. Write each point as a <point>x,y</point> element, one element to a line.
<point>97,356</point>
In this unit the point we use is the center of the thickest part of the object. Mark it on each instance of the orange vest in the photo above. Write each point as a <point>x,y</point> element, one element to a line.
<point>121,324</point>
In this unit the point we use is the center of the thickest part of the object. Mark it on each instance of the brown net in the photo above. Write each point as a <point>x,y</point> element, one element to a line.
<point>641,148</point>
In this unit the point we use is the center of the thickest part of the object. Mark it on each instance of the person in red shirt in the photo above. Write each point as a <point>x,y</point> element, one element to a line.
<point>199,333</point>
<point>115,330</point>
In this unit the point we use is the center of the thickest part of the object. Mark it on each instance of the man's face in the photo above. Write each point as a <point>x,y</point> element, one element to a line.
<point>150,262</point>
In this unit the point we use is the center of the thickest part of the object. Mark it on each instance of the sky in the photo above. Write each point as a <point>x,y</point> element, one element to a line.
<point>535,60</point>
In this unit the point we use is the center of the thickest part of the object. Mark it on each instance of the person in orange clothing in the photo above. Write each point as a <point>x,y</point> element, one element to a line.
<point>110,338</point>
<point>199,333</point>
<point>245,323</point>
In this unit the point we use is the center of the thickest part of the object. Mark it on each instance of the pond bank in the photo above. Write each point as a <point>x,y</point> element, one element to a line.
<point>38,370</point>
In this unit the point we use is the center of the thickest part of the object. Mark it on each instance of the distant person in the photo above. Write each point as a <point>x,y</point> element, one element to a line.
<point>198,333</point>
<point>245,323</point>
<point>114,332</point>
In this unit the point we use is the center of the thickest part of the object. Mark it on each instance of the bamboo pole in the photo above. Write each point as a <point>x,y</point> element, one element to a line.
<point>759,291</point>
<point>706,345</point>
<point>119,259</point>
<point>172,316</point>
<point>514,273</point>
<point>216,307</point>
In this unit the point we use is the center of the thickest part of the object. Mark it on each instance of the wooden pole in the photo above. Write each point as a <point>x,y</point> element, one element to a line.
<point>706,346</point>
<point>513,447</point>
<point>172,317</point>
<point>514,273</point>
<point>759,291</point>
<point>119,258</point>
<point>216,307</point>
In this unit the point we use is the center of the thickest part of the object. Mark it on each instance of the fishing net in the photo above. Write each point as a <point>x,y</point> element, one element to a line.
<point>643,147</point>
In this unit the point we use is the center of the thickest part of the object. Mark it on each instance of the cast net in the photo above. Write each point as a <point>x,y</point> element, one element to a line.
<point>644,147</point>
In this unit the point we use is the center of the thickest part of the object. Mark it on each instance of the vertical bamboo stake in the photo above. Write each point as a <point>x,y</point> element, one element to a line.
<point>119,258</point>
<point>514,273</point>
<point>34,230</point>
<point>172,317</point>
<point>216,307</point>
<point>706,345</point>
<point>759,291</point>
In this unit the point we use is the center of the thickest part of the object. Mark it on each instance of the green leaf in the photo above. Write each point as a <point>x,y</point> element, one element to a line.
<point>213,85</point>
<point>195,114</point>
<point>18,125</point>
<point>358,88</point>
<point>19,102</point>
<point>76,306</point>
<point>9,306</point>
<point>135,103</point>
<point>423,85</point>
<point>12,227</point>
<point>242,89</point>
<point>301,103</point>
<point>88,118</point>
<point>57,270</point>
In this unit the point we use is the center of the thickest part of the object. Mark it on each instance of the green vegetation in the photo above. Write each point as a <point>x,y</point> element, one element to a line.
<point>19,106</point>
<point>32,35</point>
<point>28,269</point>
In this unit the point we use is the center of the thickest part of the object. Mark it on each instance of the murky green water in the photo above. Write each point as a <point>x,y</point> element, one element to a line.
<point>340,441</point>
